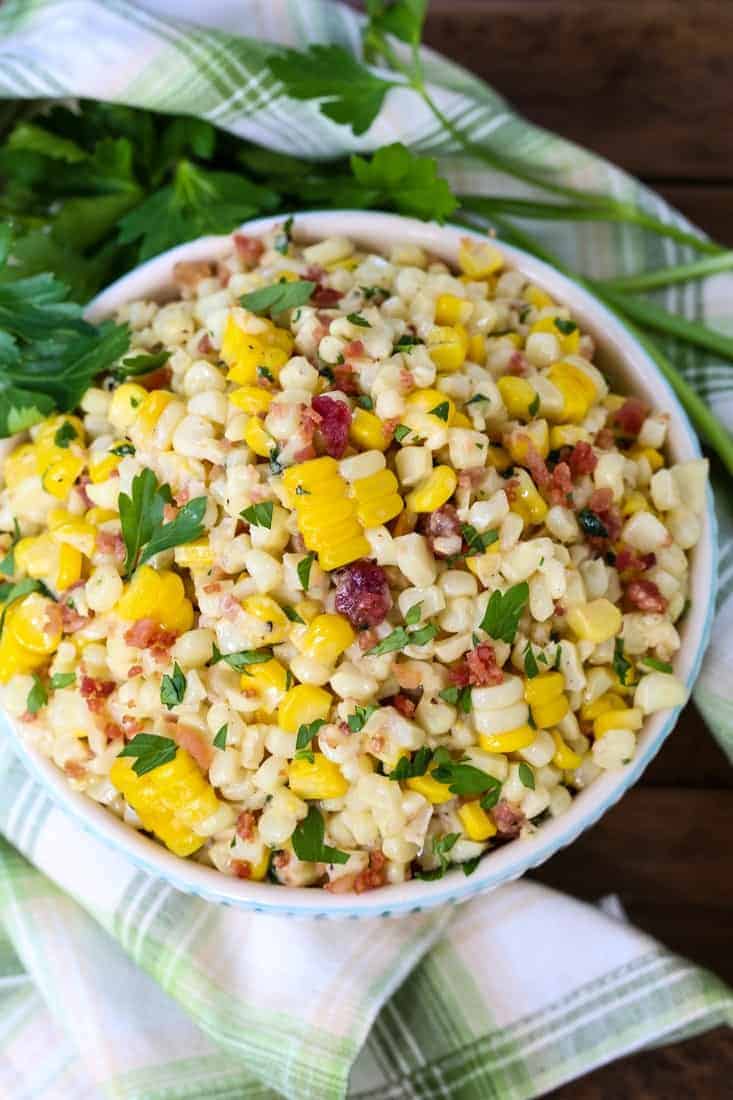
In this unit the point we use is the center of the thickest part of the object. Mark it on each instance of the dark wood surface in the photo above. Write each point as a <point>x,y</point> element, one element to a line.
<point>648,84</point>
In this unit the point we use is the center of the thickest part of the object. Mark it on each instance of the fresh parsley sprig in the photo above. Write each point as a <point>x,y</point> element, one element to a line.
<point>308,842</point>
<point>149,751</point>
<point>141,517</point>
<point>503,612</point>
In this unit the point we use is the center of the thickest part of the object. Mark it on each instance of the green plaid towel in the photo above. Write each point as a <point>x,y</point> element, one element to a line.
<point>112,984</point>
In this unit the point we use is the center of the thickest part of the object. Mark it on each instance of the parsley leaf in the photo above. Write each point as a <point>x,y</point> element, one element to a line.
<point>656,664</point>
<point>621,666</point>
<point>531,668</point>
<point>534,405</point>
<point>305,735</point>
<point>469,865</point>
<point>565,327</point>
<point>259,515</point>
<point>403,18</point>
<point>441,411</point>
<point>360,717</point>
<point>348,92</point>
<point>173,688</point>
<point>414,614</point>
<point>476,398</point>
<point>477,542</point>
<point>424,635</point>
<point>122,449</point>
<point>304,569</point>
<point>441,847</point>
<point>278,296</point>
<point>239,661</point>
<point>62,680</point>
<point>460,697</point>
<point>409,183</point>
<point>364,401</point>
<point>220,741</point>
<point>64,435</point>
<point>292,614</point>
<point>526,776</point>
<point>465,779</point>
<point>410,768</point>
<point>503,612</point>
<point>7,565</point>
<point>11,592</point>
<point>282,240</point>
<point>407,340</point>
<point>591,524</point>
<point>141,517</point>
<point>308,841</point>
<point>398,639</point>
<point>150,751</point>
<point>401,431</point>
<point>357,319</point>
<point>136,365</point>
<point>37,696</point>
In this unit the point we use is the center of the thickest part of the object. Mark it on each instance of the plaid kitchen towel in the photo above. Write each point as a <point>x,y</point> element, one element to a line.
<point>113,986</point>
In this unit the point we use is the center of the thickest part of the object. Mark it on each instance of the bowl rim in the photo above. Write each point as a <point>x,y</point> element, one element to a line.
<point>512,860</point>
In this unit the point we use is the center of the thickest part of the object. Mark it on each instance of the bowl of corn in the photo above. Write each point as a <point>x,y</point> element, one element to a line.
<point>379,581</point>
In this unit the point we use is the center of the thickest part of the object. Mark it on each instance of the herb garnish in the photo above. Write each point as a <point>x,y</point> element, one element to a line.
<point>478,542</point>
<point>220,740</point>
<point>305,735</point>
<point>278,296</point>
<point>358,320</point>
<point>173,688</point>
<point>64,435</point>
<point>460,697</point>
<point>591,524</point>
<point>526,776</point>
<point>304,569</point>
<point>407,768</point>
<point>360,717</point>
<point>441,847</point>
<point>259,515</point>
<point>503,612</point>
<point>656,664</point>
<point>308,841</point>
<point>141,516</point>
<point>530,662</point>
<point>62,680</point>
<point>37,696</point>
<point>442,411</point>
<point>239,661</point>
<point>621,666</point>
<point>150,751</point>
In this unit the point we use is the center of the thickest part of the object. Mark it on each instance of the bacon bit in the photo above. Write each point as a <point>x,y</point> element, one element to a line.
<point>158,379</point>
<point>315,273</point>
<point>209,589</point>
<point>582,459</point>
<point>511,488</point>
<point>536,466</point>
<point>646,596</point>
<point>604,439</point>
<point>249,249</point>
<point>600,500</point>
<point>559,609</point>
<point>305,453</point>
<point>478,668</point>
<point>53,619</point>
<point>95,692</point>
<point>333,431</point>
<point>362,593</point>
<point>507,819</point>
<point>367,639</point>
<point>518,364</point>
<point>205,345</point>
<point>561,484</point>
<point>246,823</point>
<point>344,884</point>
<point>441,524</point>
<point>406,380</point>
<point>134,670</point>
<point>344,379</point>
<point>193,742</point>
<point>149,634</point>
<point>628,560</point>
<point>281,859</point>
<point>355,348</point>
<point>631,416</point>
<point>131,725</point>
<point>113,732</point>
<point>230,606</point>
<point>469,479</point>
<point>325,296</point>
<point>242,868</point>
<point>373,876</point>
<point>75,769</point>
<point>188,273</point>
<point>405,706</point>
<point>110,543</point>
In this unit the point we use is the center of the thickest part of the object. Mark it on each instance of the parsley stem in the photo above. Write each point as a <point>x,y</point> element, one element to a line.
<point>668,276</point>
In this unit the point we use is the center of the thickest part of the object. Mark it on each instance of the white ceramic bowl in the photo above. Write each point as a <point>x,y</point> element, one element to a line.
<point>623,358</point>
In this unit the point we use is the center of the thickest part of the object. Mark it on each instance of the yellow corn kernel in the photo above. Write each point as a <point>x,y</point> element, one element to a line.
<point>430,788</point>
<point>251,399</point>
<point>527,502</point>
<point>367,431</point>
<point>77,533</point>
<point>653,457</point>
<point>375,512</point>
<point>321,779</point>
<point>498,458</point>
<point>460,420</point>
<point>35,555</point>
<point>241,351</point>
<point>258,870</point>
<point>535,434</point>
<point>549,714</point>
<point>428,400</point>
<point>98,516</point>
<point>477,825</point>
<point>14,660</point>
<point>127,400</point>
<point>569,342</point>
<point>564,759</point>
<point>434,491</point>
<point>281,338</point>
<point>194,555</point>
<point>595,621</point>
<point>627,718</point>
<point>634,502</point>
<point>156,595</point>
<point>477,259</point>
<point>152,408</point>
<point>267,676</point>
<point>452,310</point>
<point>59,477</point>
<point>171,800</point>
<point>34,624</point>
<point>326,638</point>
<point>448,346</point>
<point>269,612</point>
<point>309,475</point>
<point>368,489</point>
<point>576,387</point>
<point>321,521</point>
<point>257,438</point>
<point>613,401</point>
<point>69,568</point>
<point>543,688</point>
<point>537,297</point>
<point>567,435</point>
<point>511,741</point>
<point>518,396</point>
<point>308,609</point>
<point>609,701</point>
<point>477,348</point>
<point>19,465</point>
<point>101,469</point>
<point>302,705</point>
<point>333,557</point>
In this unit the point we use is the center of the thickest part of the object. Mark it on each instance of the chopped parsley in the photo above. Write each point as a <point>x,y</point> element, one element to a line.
<point>591,524</point>
<point>534,405</point>
<point>282,240</point>
<point>278,296</point>
<point>259,515</point>
<point>357,319</point>
<point>477,542</point>
<point>503,612</point>
<point>239,661</point>
<point>476,398</point>
<point>407,340</point>
<point>150,751</point>
<point>465,779</point>
<point>303,739</point>
<point>531,668</point>
<point>304,569</point>
<point>220,741</point>
<point>266,373</point>
<point>441,847</point>
<point>526,776</point>
<point>122,449</point>
<point>656,664</point>
<point>292,614</point>
<point>442,411</point>
<point>141,517</point>
<point>565,327</point>
<point>308,841</point>
<point>414,614</point>
<point>370,292</point>
<point>360,717</point>
<point>364,401</point>
<point>407,768</point>
<point>7,565</point>
<point>460,697</point>
<point>37,696</point>
<point>62,680</point>
<point>173,688</point>
<point>401,431</point>
<point>65,434</point>
<point>621,666</point>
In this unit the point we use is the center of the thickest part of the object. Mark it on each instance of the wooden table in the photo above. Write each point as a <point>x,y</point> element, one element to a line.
<point>646,83</point>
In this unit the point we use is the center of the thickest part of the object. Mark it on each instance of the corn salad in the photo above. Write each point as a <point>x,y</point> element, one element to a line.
<point>408,576</point>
